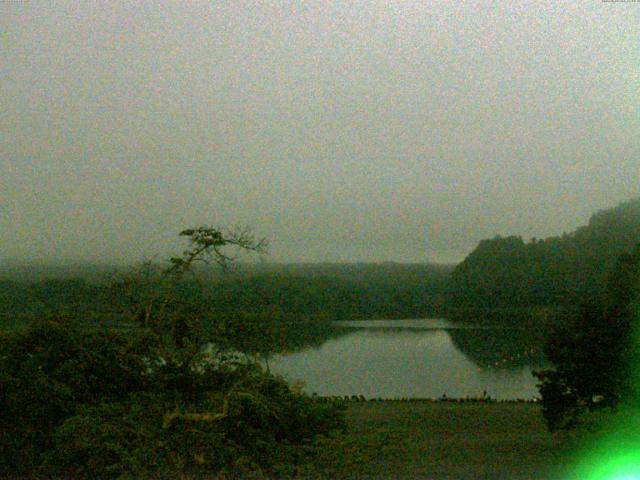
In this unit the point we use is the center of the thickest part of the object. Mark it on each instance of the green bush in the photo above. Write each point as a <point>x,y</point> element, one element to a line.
<point>82,402</point>
<point>47,371</point>
<point>157,398</point>
<point>595,355</point>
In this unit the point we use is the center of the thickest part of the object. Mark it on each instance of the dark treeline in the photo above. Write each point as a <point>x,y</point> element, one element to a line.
<point>564,271</point>
<point>350,291</point>
<point>301,291</point>
<point>504,278</point>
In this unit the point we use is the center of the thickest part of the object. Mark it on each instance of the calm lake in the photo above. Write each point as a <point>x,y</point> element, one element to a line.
<point>417,359</point>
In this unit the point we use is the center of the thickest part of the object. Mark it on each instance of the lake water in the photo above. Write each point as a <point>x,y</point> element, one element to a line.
<point>417,359</point>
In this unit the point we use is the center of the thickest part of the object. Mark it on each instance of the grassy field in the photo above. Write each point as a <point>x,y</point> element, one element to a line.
<point>421,440</point>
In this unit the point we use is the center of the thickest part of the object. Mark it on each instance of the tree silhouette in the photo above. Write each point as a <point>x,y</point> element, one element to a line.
<point>158,396</point>
<point>595,354</point>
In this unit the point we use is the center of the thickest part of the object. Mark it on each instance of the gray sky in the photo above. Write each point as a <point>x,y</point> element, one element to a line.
<point>342,131</point>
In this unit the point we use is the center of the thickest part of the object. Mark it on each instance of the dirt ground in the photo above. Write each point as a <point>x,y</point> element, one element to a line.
<point>441,440</point>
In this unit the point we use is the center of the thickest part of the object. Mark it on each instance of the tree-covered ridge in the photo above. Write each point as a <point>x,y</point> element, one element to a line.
<point>303,291</point>
<point>557,271</point>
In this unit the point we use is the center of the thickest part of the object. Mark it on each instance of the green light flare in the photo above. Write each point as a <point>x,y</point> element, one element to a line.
<point>635,356</point>
<point>624,466</point>
<point>614,454</point>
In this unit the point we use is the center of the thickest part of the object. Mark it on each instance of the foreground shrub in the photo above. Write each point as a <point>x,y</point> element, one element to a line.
<point>49,370</point>
<point>81,402</point>
<point>257,430</point>
<point>596,354</point>
<point>157,396</point>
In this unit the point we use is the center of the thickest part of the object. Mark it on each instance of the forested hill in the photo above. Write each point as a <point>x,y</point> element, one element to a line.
<point>506,272</point>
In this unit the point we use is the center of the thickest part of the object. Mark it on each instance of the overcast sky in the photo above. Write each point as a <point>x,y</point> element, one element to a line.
<point>342,131</point>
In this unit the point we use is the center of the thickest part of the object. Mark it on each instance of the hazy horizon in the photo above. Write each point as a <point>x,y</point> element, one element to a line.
<point>341,131</point>
<point>251,258</point>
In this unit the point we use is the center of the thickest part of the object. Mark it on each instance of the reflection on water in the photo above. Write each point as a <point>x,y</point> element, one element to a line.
<point>419,324</point>
<point>416,358</point>
<point>411,324</point>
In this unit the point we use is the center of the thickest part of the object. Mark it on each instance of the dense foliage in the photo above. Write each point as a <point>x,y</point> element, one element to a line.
<point>158,392</point>
<point>46,372</point>
<point>294,292</point>
<point>81,402</point>
<point>596,353</point>
<point>507,272</point>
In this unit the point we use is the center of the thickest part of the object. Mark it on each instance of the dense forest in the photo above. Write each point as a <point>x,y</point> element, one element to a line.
<point>295,291</point>
<point>595,353</point>
<point>564,271</point>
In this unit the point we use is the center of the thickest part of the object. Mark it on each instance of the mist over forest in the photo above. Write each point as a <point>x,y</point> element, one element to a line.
<point>323,239</point>
<point>505,274</point>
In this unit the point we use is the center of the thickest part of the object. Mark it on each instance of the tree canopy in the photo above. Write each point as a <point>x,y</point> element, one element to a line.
<point>596,354</point>
<point>160,394</point>
<point>507,272</point>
